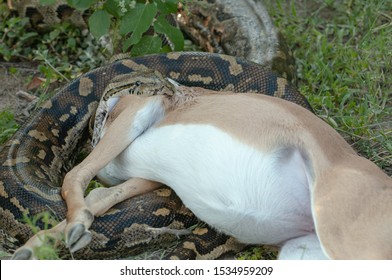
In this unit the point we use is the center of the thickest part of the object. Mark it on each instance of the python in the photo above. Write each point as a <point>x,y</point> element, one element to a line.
<point>258,168</point>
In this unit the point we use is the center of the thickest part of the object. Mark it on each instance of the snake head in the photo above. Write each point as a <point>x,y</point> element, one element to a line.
<point>146,82</point>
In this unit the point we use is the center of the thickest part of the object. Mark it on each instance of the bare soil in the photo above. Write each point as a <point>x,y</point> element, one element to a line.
<point>14,78</point>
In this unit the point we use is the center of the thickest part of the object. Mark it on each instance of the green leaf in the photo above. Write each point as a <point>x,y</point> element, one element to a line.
<point>54,34</point>
<point>112,7</point>
<point>47,2</point>
<point>175,36</point>
<point>137,21</point>
<point>13,70</point>
<point>99,23</point>
<point>81,4</point>
<point>71,43</point>
<point>147,45</point>
<point>167,7</point>
<point>28,35</point>
<point>165,49</point>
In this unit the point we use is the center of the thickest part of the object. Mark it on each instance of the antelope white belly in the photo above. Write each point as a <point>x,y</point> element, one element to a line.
<point>255,196</point>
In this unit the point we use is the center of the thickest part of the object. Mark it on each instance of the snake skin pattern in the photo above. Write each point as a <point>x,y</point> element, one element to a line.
<point>34,162</point>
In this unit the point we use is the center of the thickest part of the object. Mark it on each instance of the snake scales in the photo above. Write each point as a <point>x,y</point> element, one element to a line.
<point>34,161</point>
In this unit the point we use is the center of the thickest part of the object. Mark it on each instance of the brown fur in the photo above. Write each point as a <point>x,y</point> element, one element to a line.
<point>351,196</point>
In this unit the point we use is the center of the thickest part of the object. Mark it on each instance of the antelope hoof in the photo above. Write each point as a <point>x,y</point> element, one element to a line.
<point>23,254</point>
<point>82,242</point>
<point>77,237</point>
<point>76,232</point>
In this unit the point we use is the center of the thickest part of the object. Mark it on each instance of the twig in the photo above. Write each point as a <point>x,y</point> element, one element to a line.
<point>51,66</point>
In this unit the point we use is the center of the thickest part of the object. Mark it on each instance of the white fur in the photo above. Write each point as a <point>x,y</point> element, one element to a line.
<point>257,197</point>
<point>112,101</point>
<point>305,247</point>
<point>147,116</point>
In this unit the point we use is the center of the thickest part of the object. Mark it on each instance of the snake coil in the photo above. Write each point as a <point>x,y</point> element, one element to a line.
<point>34,161</point>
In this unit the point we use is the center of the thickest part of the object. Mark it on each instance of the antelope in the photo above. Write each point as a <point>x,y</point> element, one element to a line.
<point>255,167</point>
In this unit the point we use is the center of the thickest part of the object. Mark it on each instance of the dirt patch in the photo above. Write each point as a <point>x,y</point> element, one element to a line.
<point>14,78</point>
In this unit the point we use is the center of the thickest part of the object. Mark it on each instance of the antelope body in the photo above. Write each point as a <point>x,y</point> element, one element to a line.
<point>258,168</point>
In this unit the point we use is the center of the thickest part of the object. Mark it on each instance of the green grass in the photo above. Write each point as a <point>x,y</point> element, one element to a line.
<point>343,51</point>
<point>8,126</point>
<point>49,250</point>
<point>258,253</point>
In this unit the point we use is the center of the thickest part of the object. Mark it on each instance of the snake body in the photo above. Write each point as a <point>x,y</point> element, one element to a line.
<point>34,161</point>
